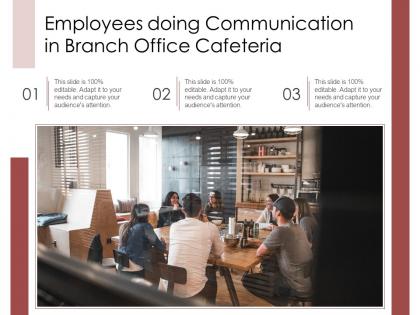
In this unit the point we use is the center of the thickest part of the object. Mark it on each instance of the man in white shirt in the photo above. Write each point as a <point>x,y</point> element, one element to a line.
<point>191,241</point>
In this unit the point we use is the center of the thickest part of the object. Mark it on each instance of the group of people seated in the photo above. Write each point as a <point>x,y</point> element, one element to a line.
<point>302,216</point>
<point>171,210</point>
<point>192,239</point>
<point>287,252</point>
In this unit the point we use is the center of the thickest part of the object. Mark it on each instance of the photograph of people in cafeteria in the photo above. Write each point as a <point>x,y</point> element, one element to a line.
<point>210,216</point>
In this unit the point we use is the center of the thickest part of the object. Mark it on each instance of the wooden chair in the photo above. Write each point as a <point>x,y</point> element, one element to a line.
<point>172,274</point>
<point>153,272</point>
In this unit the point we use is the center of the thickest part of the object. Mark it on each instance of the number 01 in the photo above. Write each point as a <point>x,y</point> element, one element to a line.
<point>28,94</point>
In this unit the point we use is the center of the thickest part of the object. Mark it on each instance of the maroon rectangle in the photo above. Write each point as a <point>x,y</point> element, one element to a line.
<point>400,157</point>
<point>19,236</point>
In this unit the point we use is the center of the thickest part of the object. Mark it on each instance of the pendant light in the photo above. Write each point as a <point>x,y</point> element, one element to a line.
<point>240,133</point>
<point>292,130</point>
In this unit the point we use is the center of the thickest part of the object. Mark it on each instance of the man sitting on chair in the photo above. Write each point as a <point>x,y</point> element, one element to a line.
<point>191,243</point>
<point>293,256</point>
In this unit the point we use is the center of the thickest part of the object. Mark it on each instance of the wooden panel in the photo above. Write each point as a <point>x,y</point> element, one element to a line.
<point>238,258</point>
<point>249,214</point>
<point>44,236</point>
<point>104,220</point>
<point>271,157</point>
<point>269,174</point>
<point>251,205</point>
<point>75,241</point>
<point>246,298</point>
<point>80,242</point>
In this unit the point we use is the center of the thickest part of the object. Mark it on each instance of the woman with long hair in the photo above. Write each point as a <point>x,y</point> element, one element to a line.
<point>137,239</point>
<point>214,207</point>
<point>171,210</point>
<point>304,217</point>
<point>172,200</point>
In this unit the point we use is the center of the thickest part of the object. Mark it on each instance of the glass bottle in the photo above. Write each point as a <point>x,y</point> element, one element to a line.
<point>257,133</point>
<point>275,132</point>
<point>281,132</point>
<point>263,133</point>
<point>251,134</point>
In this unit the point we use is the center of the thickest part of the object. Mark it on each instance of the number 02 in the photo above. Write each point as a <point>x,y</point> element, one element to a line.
<point>161,94</point>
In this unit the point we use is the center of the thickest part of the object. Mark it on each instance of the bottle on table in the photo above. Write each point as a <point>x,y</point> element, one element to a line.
<point>256,231</point>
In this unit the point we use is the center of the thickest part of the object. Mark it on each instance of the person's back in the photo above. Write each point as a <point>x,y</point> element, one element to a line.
<point>307,221</point>
<point>190,247</point>
<point>294,256</point>
<point>190,243</point>
<point>310,226</point>
<point>292,251</point>
<point>136,241</point>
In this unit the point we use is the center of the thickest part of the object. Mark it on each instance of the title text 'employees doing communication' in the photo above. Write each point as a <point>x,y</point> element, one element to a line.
<point>193,26</point>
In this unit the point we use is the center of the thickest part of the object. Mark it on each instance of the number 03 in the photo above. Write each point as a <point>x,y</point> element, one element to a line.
<point>293,94</point>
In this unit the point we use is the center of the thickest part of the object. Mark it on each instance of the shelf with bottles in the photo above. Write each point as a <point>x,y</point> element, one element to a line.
<point>250,205</point>
<point>270,140</point>
<point>268,134</point>
<point>268,162</point>
<point>267,174</point>
<point>268,167</point>
<point>266,150</point>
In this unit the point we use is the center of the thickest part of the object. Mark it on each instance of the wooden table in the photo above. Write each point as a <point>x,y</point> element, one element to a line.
<point>243,259</point>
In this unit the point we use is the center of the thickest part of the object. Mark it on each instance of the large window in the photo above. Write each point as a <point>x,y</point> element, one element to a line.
<point>150,174</point>
<point>73,158</point>
<point>117,165</point>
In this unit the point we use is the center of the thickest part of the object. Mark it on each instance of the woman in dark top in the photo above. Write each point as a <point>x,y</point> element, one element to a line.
<point>137,239</point>
<point>214,207</point>
<point>171,210</point>
<point>304,217</point>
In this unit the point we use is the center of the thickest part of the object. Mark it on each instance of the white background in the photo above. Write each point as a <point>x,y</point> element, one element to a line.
<point>414,155</point>
<point>365,53</point>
